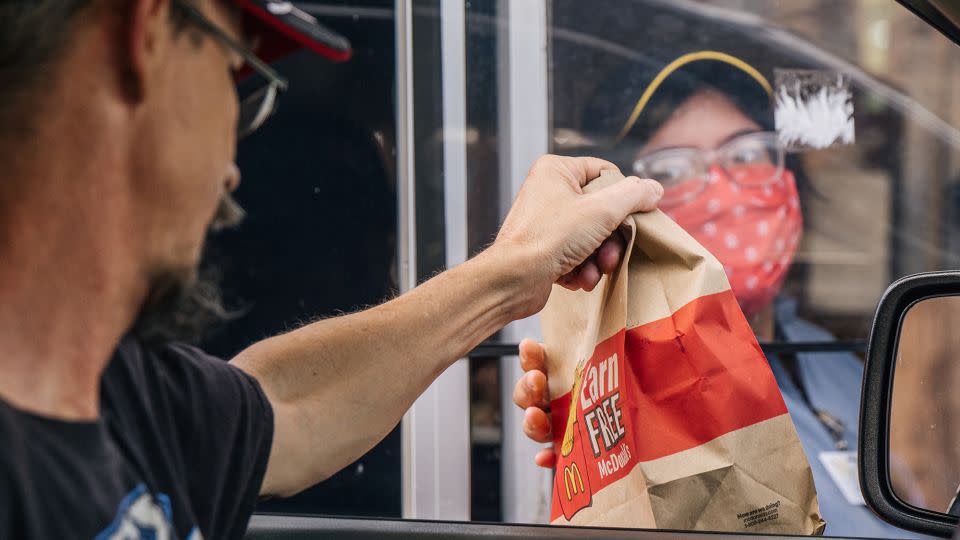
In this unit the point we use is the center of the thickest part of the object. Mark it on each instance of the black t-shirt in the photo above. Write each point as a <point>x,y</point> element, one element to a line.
<point>179,452</point>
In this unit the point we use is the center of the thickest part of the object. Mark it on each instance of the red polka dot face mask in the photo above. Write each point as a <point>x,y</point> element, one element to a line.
<point>753,231</point>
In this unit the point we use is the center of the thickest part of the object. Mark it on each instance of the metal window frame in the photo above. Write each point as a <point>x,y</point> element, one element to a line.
<point>435,434</point>
<point>524,120</point>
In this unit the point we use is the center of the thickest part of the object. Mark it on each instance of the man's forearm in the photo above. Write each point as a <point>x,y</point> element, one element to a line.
<point>340,385</point>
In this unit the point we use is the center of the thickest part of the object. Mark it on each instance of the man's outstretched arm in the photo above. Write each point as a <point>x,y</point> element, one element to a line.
<point>338,386</point>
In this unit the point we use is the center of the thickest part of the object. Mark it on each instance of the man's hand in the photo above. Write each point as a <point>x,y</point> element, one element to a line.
<point>571,235</point>
<point>576,243</point>
<point>531,395</point>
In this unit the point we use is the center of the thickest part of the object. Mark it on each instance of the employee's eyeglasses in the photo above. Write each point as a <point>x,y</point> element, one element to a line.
<point>752,160</point>
<point>256,105</point>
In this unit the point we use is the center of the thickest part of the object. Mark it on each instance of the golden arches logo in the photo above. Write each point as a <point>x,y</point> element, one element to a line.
<point>572,480</point>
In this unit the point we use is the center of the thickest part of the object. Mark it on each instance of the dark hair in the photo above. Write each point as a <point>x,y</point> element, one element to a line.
<point>33,33</point>
<point>607,111</point>
<point>33,36</point>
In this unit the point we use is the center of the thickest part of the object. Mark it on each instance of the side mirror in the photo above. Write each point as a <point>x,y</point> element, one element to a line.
<point>909,441</point>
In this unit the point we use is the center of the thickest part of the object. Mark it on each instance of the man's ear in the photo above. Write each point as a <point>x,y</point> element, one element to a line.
<point>146,36</point>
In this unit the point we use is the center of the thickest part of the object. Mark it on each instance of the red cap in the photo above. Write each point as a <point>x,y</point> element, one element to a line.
<point>283,27</point>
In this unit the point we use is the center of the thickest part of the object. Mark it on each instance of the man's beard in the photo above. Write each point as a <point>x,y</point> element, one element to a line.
<point>183,304</point>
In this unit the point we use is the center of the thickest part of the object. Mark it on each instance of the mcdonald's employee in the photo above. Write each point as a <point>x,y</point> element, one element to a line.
<point>702,124</point>
<point>118,126</point>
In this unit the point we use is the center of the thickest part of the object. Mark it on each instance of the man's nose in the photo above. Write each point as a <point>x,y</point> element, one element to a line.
<point>231,180</point>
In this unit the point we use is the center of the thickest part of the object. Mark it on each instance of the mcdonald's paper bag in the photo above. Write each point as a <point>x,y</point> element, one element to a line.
<point>665,411</point>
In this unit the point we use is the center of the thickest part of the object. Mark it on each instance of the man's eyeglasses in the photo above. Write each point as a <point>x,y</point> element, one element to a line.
<point>752,160</point>
<point>255,106</point>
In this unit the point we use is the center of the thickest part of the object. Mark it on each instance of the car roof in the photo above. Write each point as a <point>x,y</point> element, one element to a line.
<point>944,15</point>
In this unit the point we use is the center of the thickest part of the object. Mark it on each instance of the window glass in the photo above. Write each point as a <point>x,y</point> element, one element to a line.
<point>483,218</point>
<point>872,211</point>
<point>320,235</point>
<point>685,92</point>
<point>837,226</point>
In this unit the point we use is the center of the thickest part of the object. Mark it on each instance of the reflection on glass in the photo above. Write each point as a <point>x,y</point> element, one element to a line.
<point>925,411</point>
<point>810,240</point>
<point>866,209</point>
<point>319,168</point>
<point>701,123</point>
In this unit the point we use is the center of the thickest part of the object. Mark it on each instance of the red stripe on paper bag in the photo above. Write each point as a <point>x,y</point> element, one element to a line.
<point>687,380</point>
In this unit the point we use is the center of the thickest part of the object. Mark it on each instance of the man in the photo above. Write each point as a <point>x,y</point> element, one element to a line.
<point>118,124</point>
